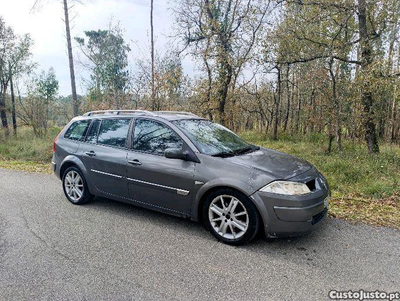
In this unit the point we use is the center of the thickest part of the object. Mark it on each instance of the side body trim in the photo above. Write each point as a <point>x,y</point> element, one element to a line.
<point>106,173</point>
<point>178,191</point>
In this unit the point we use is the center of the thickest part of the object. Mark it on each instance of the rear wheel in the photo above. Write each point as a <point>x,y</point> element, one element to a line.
<point>75,187</point>
<point>231,217</point>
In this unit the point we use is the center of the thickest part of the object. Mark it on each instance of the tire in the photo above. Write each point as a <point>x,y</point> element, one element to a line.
<point>231,217</point>
<point>71,182</point>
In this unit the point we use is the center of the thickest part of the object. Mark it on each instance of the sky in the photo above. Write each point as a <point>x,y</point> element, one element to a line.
<point>47,29</point>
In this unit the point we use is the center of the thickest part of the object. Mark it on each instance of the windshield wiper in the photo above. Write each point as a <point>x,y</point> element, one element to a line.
<point>246,150</point>
<point>223,154</point>
<point>241,151</point>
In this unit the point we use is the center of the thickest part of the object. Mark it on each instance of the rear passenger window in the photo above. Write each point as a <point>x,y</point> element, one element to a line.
<point>92,135</point>
<point>77,130</point>
<point>113,132</point>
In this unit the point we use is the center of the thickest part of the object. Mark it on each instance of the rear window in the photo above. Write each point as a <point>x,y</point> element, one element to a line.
<point>113,132</point>
<point>77,130</point>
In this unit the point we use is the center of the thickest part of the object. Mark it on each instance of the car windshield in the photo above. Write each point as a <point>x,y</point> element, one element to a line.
<point>214,139</point>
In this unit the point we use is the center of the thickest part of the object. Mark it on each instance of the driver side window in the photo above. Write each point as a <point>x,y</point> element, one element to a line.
<point>153,137</point>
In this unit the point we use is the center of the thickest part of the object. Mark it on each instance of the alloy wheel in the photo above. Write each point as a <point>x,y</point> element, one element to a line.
<point>74,185</point>
<point>228,216</point>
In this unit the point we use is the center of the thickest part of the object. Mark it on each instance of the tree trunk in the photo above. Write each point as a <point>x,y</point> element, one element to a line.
<point>13,113</point>
<point>336,110</point>
<point>297,125</point>
<point>3,114</point>
<point>271,117</point>
<point>287,99</point>
<point>277,104</point>
<point>153,92</point>
<point>75,104</point>
<point>392,106</point>
<point>393,118</point>
<point>225,76</point>
<point>292,100</point>
<point>209,87</point>
<point>331,137</point>
<point>366,95</point>
<point>46,121</point>
<point>312,109</point>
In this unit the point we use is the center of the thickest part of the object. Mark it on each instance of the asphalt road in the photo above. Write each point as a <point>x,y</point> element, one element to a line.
<point>53,250</point>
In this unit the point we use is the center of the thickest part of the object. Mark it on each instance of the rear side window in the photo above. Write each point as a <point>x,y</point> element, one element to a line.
<point>153,137</point>
<point>77,130</point>
<point>92,135</point>
<point>113,132</point>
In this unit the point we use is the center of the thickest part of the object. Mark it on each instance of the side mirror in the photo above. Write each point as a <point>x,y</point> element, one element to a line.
<point>175,153</point>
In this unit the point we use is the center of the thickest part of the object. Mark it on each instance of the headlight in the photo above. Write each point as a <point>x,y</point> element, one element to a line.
<point>286,187</point>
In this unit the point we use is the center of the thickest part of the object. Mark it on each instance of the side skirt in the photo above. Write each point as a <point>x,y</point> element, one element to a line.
<point>142,204</point>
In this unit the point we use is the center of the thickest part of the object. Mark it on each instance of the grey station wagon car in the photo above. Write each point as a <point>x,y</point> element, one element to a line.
<point>184,165</point>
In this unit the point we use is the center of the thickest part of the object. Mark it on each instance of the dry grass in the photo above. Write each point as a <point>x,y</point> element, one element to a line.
<point>26,166</point>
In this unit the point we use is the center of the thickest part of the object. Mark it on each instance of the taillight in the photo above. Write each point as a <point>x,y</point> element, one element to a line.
<point>55,140</point>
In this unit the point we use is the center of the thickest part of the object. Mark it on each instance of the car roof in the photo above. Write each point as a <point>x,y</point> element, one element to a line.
<point>167,115</point>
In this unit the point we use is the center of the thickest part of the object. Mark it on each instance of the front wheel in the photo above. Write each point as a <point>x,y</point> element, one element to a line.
<point>231,217</point>
<point>75,187</point>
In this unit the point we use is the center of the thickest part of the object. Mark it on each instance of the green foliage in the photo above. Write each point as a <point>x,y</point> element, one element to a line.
<point>47,85</point>
<point>27,147</point>
<point>35,109</point>
<point>351,172</point>
<point>107,55</point>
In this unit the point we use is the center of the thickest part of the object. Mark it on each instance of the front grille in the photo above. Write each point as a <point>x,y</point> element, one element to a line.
<point>318,217</point>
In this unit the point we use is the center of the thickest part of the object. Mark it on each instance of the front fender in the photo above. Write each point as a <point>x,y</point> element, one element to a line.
<point>223,182</point>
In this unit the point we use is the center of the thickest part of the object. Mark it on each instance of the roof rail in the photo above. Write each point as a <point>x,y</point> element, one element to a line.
<point>174,112</point>
<point>117,112</point>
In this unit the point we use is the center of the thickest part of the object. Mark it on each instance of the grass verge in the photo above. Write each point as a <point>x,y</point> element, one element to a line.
<point>26,166</point>
<point>26,152</point>
<point>365,188</point>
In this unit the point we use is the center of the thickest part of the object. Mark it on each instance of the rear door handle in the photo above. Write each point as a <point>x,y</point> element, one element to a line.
<point>91,153</point>
<point>135,162</point>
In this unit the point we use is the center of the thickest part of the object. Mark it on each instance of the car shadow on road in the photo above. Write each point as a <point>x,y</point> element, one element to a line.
<point>173,223</point>
<point>132,212</point>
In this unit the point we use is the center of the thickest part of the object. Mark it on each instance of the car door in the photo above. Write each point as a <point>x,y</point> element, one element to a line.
<point>105,153</point>
<point>154,179</point>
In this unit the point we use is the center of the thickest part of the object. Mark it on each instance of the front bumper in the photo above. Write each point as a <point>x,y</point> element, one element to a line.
<point>287,216</point>
<point>301,214</point>
<point>293,219</point>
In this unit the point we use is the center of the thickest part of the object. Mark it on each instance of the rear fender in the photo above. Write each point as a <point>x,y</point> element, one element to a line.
<point>71,159</point>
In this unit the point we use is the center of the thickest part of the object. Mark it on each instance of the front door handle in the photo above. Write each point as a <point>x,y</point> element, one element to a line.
<point>91,153</point>
<point>135,162</point>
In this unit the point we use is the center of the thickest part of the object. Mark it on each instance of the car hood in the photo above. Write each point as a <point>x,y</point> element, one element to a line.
<point>276,164</point>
